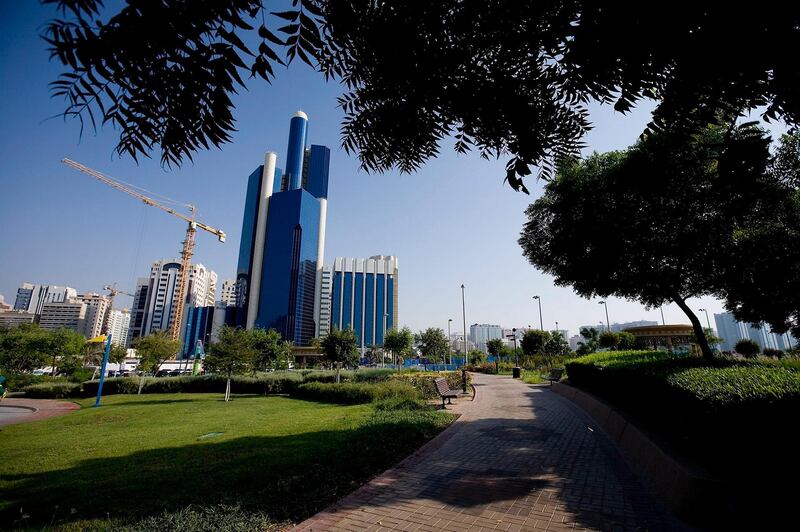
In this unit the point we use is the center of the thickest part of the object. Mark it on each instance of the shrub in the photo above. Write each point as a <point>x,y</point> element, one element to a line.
<point>485,367</point>
<point>747,348</point>
<point>52,390</point>
<point>265,384</point>
<point>372,375</point>
<point>354,393</point>
<point>772,353</point>
<point>401,403</point>
<point>720,387</point>
<point>423,381</point>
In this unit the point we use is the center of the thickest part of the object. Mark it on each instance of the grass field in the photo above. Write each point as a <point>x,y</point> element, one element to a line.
<point>143,460</point>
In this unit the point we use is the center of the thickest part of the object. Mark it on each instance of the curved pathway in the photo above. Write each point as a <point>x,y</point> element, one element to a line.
<point>520,457</point>
<point>14,410</point>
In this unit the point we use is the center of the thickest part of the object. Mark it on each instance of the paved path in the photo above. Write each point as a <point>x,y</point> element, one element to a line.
<point>519,458</point>
<point>14,410</point>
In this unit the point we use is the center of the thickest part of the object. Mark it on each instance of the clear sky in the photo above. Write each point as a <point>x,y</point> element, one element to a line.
<point>453,222</point>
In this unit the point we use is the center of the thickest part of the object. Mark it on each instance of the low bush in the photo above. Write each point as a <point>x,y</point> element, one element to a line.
<point>423,381</point>
<point>53,390</point>
<point>401,403</point>
<point>485,367</point>
<point>265,384</point>
<point>354,393</point>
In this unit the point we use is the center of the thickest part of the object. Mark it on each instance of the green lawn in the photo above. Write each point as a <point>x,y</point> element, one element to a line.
<point>138,456</point>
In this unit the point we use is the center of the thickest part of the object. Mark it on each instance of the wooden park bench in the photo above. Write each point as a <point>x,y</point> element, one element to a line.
<point>555,375</point>
<point>444,391</point>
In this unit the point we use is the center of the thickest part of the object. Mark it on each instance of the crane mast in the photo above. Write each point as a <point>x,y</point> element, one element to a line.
<point>188,243</point>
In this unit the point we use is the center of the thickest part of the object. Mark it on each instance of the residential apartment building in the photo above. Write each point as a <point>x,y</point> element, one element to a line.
<point>731,331</point>
<point>64,315</point>
<point>228,293</point>
<point>118,326</point>
<point>32,297</point>
<point>480,334</point>
<point>12,318</point>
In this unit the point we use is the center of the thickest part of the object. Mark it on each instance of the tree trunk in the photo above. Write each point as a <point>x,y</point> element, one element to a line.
<point>228,389</point>
<point>338,371</point>
<point>141,384</point>
<point>699,332</point>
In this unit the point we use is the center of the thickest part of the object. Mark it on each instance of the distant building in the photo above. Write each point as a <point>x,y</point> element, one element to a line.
<point>480,334</point>
<point>662,336</point>
<point>12,318</point>
<point>364,296</point>
<point>618,327</point>
<point>731,331</point>
<point>228,293</point>
<point>155,298</point>
<point>32,297</point>
<point>573,341</point>
<point>218,320</point>
<point>64,315</point>
<point>5,306</point>
<point>96,318</point>
<point>118,326</point>
<point>324,318</point>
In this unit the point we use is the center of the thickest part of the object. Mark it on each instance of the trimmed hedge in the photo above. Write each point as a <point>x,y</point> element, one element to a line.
<point>53,390</point>
<point>355,393</point>
<point>711,410</point>
<point>262,385</point>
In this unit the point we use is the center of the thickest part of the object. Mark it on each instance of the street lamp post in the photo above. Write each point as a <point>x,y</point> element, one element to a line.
<point>449,341</point>
<point>541,322</point>
<point>608,324</point>
<point>556,326</point>
<point>464,317</point>
<point>383,349</point>
<point>515,372</point>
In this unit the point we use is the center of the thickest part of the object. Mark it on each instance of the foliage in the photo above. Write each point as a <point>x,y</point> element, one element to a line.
<point>484,367</point>
<point>203,518</point>
<point>476,356</point>
<point>24,348</point>
<point>154,349</point>
<point>263,384</point>
<point>52,390</point>
<point>424,381</point>
<point>628,340</point>
<point>399,342</point>
<point>309,455</point>
<point>591,340</point>
<point>495,346</point>
<point>747,348</point>
<point>673,212</point>
<point>233,353</point>
<point>556,346</point>
<point>772,353</point>
<point>355,393</point>
<point>700,406</point>
<point>65,347</point>
<point>617,340</point>
<point>432,344</point>
<point>340,348</point>
<point>533,342</point>
<point>609,340</point>
<point>268,349</point>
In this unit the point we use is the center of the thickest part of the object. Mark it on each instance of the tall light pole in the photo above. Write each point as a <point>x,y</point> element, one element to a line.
<point>663,322</point>
<point>516,358</point>
<point>608,323</point>
<point>449,341</point>
<point>464,317</point>
<point>383,349</point>
<point>541,323</point>
<point>556,326</point>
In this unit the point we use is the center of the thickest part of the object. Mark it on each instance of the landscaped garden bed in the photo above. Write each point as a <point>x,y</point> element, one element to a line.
<point>714,412</point>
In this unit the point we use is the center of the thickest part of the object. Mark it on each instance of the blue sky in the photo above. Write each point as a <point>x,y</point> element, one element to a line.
<point>452,222</point>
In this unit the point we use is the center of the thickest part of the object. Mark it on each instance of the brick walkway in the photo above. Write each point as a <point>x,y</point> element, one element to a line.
<point>519,458</point>
<point>39,409</point>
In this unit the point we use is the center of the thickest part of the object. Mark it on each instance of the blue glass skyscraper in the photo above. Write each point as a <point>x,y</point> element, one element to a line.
<point>283,240</point>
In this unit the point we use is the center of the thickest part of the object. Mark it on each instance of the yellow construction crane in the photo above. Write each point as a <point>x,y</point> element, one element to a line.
<point>188,243</point>
<point>112,293</point>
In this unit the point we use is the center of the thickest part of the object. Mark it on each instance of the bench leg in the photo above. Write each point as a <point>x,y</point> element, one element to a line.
<point>448,401</point>
<point>443,407</point>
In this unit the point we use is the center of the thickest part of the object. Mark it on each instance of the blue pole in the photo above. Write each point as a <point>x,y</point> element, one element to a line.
<point>103,371</point>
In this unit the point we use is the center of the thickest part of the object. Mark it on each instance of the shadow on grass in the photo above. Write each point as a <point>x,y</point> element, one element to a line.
<point>288,477</point>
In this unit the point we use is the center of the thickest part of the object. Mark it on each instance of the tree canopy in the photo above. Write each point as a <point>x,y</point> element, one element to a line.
<point>154,349</point>
<point>399,342</point>
<point>533,342</point>
<point>510,79</point>
<point>665,221</point>
<point>433,344</point>
<point>340,348</point>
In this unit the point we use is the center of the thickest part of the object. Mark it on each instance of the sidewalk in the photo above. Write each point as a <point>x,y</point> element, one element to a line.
<point>519,458</point>
<point>25,410</point>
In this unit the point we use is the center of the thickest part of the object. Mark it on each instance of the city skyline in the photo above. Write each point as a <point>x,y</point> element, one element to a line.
<point>453,222</point>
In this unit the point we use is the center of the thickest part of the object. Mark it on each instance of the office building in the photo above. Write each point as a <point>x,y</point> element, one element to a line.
<point>228,293</point>
<point>5,306</point>
<point>364,297</point>
<point>731,331</point>
<point>479,334</point>
<point>118,326</point>
<point>575,340</point>
<point>283,240</point>
<point>12,318</point>
<point>32,297</point>
<point>199,323</point>
<point>69,314</point>
<point>155,298</point>
<point>618,327</point>
<point>324,318</point>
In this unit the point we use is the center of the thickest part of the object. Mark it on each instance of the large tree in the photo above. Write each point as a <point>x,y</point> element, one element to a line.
<point>533,342</point>
<point>398,342</point>
<point>269,348</point>
<point>24,348</point>
<point>659,222</point>
<point>510,78</point>
<point>340,348</point>
<point>433,344</point>
<point>153,350</point>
